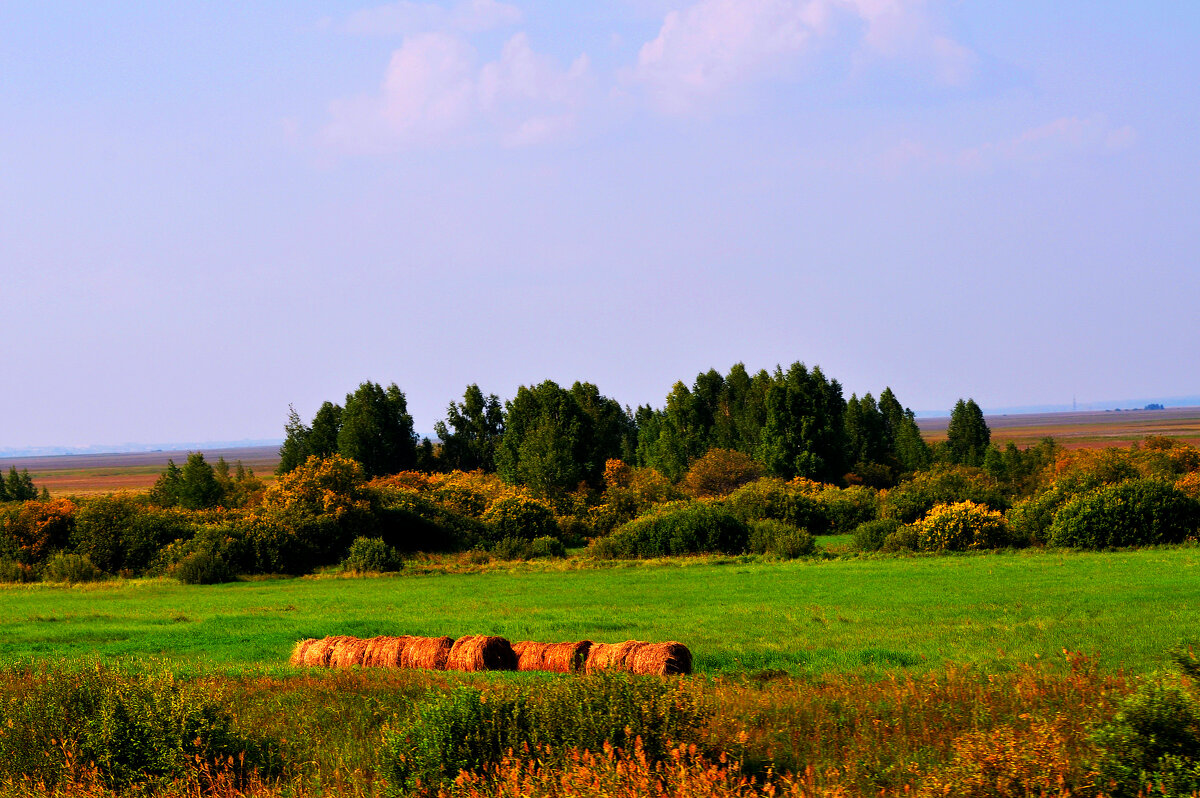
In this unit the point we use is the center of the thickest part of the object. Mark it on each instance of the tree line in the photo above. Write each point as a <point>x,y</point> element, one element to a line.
<point>793,423</point>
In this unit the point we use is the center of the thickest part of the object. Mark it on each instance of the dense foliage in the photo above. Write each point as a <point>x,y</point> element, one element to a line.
<point>142,729</point>
<point>373,427</point>
<point>1132,513</point>
<point>464,730</point>
<point>677,528</point>
<point>569,467</point>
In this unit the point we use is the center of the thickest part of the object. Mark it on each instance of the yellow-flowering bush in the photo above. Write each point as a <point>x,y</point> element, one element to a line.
<point>628,493</point>
<point>1189,484</point>
<point>961,526</point>
<point>782,501</point>
<point>519,518</point>
<point>334,486</point>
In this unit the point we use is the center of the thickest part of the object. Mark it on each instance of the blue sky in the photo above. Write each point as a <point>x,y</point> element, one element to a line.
<point>212,210</point>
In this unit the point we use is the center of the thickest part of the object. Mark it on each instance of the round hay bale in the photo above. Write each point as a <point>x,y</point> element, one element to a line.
<point>529,654</point>
<point>317,655</point>
<point>611,656</point>
<point>661,659</point>
<point>481,653</point>
<point>430,653</point>
<point>384,652</point>
<point>348,652</point>
<point>299,649</point>
<point>566,657</point>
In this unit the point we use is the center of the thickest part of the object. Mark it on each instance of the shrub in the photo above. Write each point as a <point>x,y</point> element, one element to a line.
<point>1134,513</point>
<point>1004,761</point>
<point>512,549</point>
<point>903,539</point>
<point>847,508</point>
<point>1153,739</point>
<point>34,528</point>
<point>573,531</point>
<point>628,493</point>
<point>676,528</point>
<point>203,568</point>
<point>943,484</point>
<point>67,567</point>
<point>870,536</point>
<point>371,555</point>
<point>121,533</point>
<point>780,501</point>
<point>321,506</point>
<point>1189,484</point>
<point>720,472</point>
<point>410,522</point>
<point>547,546</point>
<point>132,729</point>
<point>1029,520</point>
<point>520,518</point>
<point>13,571</point>
<point>466,730</point>
<point>960,527</point>
<point>780,540</point>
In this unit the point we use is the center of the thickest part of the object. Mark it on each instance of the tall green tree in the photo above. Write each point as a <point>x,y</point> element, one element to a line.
<point>377,430</point>
<point>613,432</point>
<point>294,450</point>
<point>804,434</point>
<point>17,487</point>
<point>198,486</point>
<point>552,442</point>
<point>902,436</point>
<point>866,431</point>
<point>471,431</point>
<point>967,436</point>
<point>322,440</point>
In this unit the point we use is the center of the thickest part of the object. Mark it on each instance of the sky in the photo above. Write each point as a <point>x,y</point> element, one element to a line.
<point>212,210</point>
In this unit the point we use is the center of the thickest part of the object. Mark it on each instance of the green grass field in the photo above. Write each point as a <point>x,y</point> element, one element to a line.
<point>813,617</point>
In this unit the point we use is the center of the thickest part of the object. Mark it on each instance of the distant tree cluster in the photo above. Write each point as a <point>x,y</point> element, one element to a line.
<point>17,487</point>
<point>788,423</point>
<point>759,464</point>
<point>373,427</point>
<point>200,486</point>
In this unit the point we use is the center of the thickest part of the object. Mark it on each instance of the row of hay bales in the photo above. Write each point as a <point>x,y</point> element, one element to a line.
<point>487,653</point>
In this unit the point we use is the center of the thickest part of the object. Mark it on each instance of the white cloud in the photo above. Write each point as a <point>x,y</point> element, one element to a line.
<point>522,75</point>
<point>434,91</point>
<point>405,18</point>
<point>901,29</point>
<point>712,46</point>
<point>1068,136</point>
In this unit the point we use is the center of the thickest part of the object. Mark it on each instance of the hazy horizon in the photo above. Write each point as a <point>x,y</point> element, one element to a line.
<point>212,211</point>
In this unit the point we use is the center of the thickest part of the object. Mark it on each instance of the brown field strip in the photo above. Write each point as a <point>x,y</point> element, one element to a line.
<point>76,475</point>
<point>1091,429</point>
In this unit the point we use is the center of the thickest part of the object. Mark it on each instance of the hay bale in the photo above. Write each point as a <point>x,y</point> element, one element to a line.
<point>299,650</point>
<point>529,654</point>
<point>347,652</point>
<point>318,654</point>
<point>430,653</point>
<point>661,659</point>
<point>384,652</point>
<point>566,657</point>
<point>481,653</point>
<point>611,656</point>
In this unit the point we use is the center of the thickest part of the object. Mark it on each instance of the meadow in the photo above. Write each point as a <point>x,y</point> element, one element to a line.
<point>737,614</point>
<point>837,676</point>
<point>1003,671</point>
